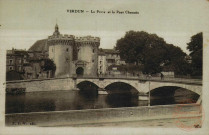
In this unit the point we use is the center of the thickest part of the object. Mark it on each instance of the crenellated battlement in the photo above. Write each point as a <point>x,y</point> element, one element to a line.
<point>87,39</point>
<point>61,37</point>
<point>71,39</point>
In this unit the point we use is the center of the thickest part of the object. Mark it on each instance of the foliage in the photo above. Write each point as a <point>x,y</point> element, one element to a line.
<point>49,65</point>
<point>195,48</point>
<point>149,50</point>
<point>181,67</point>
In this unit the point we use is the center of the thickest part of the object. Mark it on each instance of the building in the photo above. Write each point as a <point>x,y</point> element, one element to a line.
<point>113,60</point>
<point>73,55</point>
<point>108,61</point>
<point>102,63</point>
<point>113,57</point>
<point>15,60</point>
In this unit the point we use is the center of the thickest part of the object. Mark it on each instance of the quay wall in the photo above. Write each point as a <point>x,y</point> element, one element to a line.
<point>76,117</point>
<point>43,84</point>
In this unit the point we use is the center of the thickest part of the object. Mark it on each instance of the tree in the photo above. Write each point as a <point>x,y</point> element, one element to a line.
<point>173,54</point>
<point>49,66</point>
<point>148,49</point>
<point>131,46</point>
<point>195,48</point>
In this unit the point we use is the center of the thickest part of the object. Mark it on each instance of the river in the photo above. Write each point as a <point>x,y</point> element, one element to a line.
<point>77,100</point>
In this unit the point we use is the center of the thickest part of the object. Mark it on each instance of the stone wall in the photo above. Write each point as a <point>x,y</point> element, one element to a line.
<point>59,118</point>
<point>43,84</point>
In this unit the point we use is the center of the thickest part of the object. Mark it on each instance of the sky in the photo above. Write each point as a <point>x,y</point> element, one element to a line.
<point>23,22</point>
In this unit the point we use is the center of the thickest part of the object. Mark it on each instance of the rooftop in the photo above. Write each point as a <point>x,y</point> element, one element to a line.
<point>16,52</point>
<point>39,46</point>
<point>110,51</point>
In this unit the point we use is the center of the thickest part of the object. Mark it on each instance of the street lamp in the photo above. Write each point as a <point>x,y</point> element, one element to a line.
<point>149,90</point>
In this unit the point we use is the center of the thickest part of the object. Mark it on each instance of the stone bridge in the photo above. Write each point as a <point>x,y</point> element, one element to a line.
<point>146,85</point>
<point>142,85</point>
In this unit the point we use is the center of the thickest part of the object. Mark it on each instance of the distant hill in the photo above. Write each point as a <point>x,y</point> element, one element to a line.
<point>39,45</point>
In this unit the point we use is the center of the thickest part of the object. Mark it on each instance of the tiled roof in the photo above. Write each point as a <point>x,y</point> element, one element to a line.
<point>40,45</point>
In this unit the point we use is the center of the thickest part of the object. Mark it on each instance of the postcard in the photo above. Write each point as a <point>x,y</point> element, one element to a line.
<point>104,66</point>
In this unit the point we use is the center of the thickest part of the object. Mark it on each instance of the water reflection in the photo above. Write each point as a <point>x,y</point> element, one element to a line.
<point>122,100</point>
<point>77,100</point>
<point>180,96</point>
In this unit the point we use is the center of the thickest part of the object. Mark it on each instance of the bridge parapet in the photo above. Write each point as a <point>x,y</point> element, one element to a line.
<point>146,78</point>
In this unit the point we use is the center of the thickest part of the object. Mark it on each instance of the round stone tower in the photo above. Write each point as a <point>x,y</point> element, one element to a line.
<point>87,54</point>
<point>61,49</point>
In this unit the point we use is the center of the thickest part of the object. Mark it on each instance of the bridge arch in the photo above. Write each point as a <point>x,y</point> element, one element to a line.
<point>85,85</point>
<point>121,87</point>
<point>194,88</point>
<point>172,95</point>
<point>133,83</point>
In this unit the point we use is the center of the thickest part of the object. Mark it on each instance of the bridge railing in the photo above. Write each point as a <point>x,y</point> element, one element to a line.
<point>122,76</point>
<point>152,78</point>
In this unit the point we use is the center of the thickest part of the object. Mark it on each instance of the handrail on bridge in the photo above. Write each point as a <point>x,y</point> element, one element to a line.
<point>129,77</point>
<point>143,77</point>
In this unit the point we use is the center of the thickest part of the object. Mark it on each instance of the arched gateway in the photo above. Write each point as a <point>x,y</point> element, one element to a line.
<point>79,71</point>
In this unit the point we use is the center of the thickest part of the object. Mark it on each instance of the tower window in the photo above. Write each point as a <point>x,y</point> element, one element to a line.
<point>10,68</point>
<point>67,49</point>
<point>10,61</point>
<point>92,60</point>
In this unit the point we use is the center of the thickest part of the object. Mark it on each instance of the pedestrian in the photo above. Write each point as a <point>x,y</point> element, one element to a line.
<point>162,76</point>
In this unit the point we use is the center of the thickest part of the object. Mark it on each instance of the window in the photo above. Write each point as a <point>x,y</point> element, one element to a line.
<point>92,60</point>
<point>100,67</point>
<point>10,61</point>
<point>10,68</point>
<point>67,49</point>
<point>100,62</point>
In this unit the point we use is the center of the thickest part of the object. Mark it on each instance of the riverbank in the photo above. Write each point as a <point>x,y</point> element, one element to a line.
<point>165,123</point>
<point>102,116</point>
